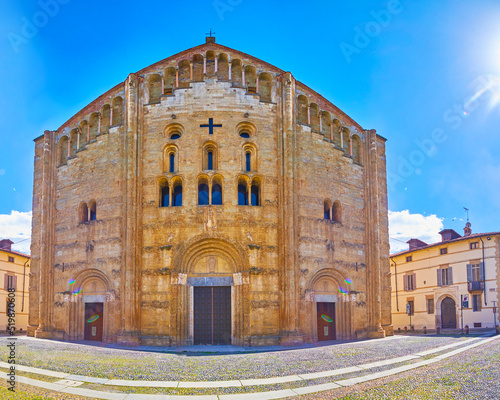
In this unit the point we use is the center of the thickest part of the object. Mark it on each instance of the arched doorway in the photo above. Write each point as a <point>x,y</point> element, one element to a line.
<point>330,310</point>
<point>448,314</point>
<point>211,285</point>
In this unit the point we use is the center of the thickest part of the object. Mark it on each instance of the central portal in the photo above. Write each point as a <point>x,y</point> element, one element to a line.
<point>212,315</point>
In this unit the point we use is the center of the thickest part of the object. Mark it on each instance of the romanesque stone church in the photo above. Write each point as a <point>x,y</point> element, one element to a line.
<point>210,198</point>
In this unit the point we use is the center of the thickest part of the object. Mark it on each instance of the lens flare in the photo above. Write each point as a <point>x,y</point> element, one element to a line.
<point>76,291</point>
<point>342,290</point>
<point>93,318</point>
<point>326,318</point>
<point>71,281</point>
<point>348,281</point>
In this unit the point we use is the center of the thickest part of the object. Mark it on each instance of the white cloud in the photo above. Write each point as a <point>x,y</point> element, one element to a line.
<point>404,226</point>
<point>16,226</point>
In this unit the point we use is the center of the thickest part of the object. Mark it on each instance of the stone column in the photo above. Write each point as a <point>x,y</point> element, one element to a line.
<point>373,235</point>
<point>131,215</point>
<point>288,216</point>
<point>43,236</point>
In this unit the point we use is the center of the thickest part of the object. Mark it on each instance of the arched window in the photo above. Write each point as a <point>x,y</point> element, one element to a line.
<point>209,159</point>
<point>246,129</point>
<point>249,158</point>
<point>346,137</point>
<point>223,67</point>
<point>63,150</point>
<point>265,86</point>
<point>244,134</point>
<point>216,191</point>
<point>356,149</point>
<point>177,194</point>
<point>169,81</point>
<point>255,193</point>
<point>83,213</point>
<point>92,210</point>
<point>184,73</point>
<point>170,159</point>
<point>327,206</point>
<point>172,162</point>
<point>242,192</point>
<point>250,79</point>
<point>94,126</point>
<point>203,197</point>
<point>210,62</point>
<point>175,135</point>
<point>337,212</point>
<point>164,195</point>
<point>236,76</point>
<point>314,116</point>
<point>117,111</point>
<point>337,131</point>
<point>84,129</point>
<point>197,68</point>
<point>154,88</point>
<point>326,121</point>
<point>302,109</point>
<point>73,137</point>
<point>173,131</point>
<point>105,117</point>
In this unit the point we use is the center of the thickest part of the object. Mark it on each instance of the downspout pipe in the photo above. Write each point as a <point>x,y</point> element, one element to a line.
<point>484,271</point>
<point>24,280</point>
<point>396,280</point>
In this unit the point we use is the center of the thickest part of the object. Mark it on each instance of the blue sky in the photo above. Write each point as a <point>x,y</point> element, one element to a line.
<point>423,73</point>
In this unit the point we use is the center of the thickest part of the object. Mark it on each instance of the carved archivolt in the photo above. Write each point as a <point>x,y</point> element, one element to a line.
<point>207,246</point>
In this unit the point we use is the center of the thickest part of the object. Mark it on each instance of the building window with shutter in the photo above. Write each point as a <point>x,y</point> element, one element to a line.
<point>430,306</point>
<point>410,282</point>
<point>10,282</point>
<point>474,245</point>
<point>11,259</point>
<point>475,276</point>
<point>408,258</point>
<point>476,302</point>
<point>445,276</point>
<point>443,251</point>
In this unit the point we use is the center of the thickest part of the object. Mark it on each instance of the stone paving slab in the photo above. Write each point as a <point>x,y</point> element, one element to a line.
<point>124,382</point>
<point>95,394</point>
<point>271,381</point>
<point>441,348</point>
<point>316,388</point>
<point>89,379</point>
<point>277,394</point>
<point>325,374</point>
<point>210,384</point>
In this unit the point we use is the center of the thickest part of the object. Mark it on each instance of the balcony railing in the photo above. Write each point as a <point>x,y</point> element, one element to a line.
<point>475,285</point>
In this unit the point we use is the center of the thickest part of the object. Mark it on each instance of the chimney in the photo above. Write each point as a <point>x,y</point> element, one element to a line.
<point>5,244</point>
<point>467,229</point>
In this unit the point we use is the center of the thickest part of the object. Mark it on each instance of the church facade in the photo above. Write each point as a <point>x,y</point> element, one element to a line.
<point>210,198</point>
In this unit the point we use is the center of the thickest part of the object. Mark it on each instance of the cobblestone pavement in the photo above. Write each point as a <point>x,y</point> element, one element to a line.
<point>474,374</point>
<point>124,364</point>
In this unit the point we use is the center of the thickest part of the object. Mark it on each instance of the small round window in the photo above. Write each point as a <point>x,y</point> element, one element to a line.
<point>244,134</point>
<point>175,136</point>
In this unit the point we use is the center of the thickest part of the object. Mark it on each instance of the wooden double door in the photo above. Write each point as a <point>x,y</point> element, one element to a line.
<point>212,315</point>
<point>448,314</point>
<point>93,321</point>
<point>326,321</point>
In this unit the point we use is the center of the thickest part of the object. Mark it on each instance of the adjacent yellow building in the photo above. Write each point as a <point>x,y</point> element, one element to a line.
<point>14,269</point>
<point>430,281</point>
